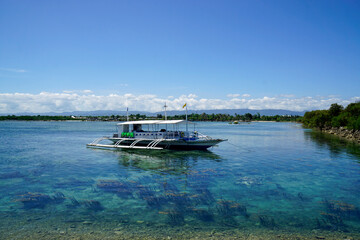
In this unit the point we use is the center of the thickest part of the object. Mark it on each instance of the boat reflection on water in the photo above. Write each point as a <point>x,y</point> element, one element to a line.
<point>166,161</point>
<point>175,162</point>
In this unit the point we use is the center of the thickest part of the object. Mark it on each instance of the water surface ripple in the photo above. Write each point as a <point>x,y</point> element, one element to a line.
<point>271,180</point>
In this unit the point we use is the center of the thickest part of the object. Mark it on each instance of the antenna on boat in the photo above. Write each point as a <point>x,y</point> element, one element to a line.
<point>127,114</point>
<point>186,121</point>
<point>186,117</point>
<point>165,111</point>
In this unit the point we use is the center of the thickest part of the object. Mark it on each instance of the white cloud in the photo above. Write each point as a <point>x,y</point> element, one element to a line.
<point>85,100</point>
<point>233,95</point>
<point>86,91</point>
<point>236,95</point>
<point>13,70</point>
<point>287,95</point>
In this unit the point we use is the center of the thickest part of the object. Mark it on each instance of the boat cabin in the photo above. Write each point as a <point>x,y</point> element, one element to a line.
<point>155,129</point>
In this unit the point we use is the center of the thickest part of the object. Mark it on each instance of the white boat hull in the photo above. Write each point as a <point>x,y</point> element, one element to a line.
<point>173,144</point>
<point>131,143</point>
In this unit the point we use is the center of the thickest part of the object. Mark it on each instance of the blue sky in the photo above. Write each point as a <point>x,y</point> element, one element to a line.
<point>214,54</point>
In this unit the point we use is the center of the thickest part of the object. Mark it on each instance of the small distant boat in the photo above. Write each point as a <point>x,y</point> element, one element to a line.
<point>157,134</point>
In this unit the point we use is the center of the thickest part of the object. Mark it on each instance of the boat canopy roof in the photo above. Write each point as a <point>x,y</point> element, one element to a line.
<point>172,121</point>
<point>144,122</point>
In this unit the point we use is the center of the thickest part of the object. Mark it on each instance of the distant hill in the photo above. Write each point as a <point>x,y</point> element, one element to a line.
<point>266,112</point>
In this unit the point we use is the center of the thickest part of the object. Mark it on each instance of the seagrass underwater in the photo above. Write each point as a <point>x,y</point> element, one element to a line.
<point>271,180</point>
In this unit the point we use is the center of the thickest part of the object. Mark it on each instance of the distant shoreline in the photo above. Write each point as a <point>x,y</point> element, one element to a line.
<point>77,120</point>
<point>192,117</point>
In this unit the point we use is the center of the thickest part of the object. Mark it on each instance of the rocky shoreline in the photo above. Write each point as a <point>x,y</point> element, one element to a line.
<point>353,135</point>
<point>54,226</point>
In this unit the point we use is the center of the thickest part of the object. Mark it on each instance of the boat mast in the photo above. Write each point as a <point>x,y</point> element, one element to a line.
<point>165,116</point>
<point>127,114</point>
<point>186,120</point>
<point>165,111</point>
<point>186,117</point>
<point>185,105</point>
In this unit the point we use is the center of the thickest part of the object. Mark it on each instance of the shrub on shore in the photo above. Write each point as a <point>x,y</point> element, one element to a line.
<point>336,116</point>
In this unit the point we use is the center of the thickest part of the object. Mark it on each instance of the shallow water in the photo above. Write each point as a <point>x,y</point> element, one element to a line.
<point>269,178</point>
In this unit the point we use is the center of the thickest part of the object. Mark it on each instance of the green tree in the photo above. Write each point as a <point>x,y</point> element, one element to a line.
<point>248,116</point>
<point>353,109</point>
<point>354,123</point>
<point>335,109</point>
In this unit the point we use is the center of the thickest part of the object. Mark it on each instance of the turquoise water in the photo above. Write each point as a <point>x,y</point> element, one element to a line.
<point>275,177</point>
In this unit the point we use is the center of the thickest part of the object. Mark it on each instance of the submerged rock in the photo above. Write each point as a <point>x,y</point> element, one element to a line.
<point>203,215</point>
<point>34,200</point>
<point>11,175</point>
<point>267,221</point>
<point>175,218</point>
<point>113,186</point>
<point>92,205</point>
<point>39,200</point>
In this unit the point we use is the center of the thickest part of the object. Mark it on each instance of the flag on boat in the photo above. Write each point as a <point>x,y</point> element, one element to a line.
<point>184,105</point>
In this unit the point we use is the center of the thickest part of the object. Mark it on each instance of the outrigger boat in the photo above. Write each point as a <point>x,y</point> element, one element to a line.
<point>156,134</point>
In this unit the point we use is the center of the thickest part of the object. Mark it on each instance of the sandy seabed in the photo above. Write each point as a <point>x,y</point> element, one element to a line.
<point>37,227</point>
